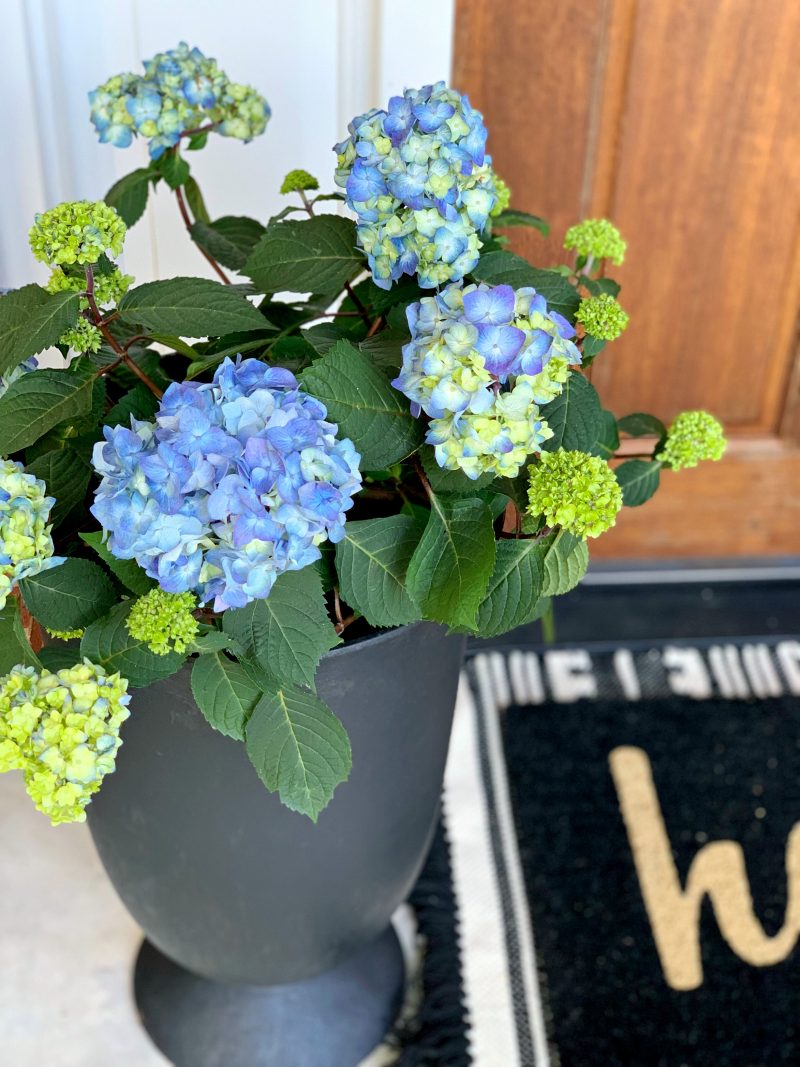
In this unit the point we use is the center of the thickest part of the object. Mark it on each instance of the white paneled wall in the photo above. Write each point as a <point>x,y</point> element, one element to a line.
<point>318,62</point>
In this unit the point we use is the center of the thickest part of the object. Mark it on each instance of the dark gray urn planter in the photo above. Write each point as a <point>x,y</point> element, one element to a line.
<point>269,942</point>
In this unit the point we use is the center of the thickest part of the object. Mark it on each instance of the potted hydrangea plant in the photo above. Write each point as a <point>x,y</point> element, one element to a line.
<point>243,537</point>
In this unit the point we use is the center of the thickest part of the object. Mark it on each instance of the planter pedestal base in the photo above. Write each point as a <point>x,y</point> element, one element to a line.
<point>333,1020</point>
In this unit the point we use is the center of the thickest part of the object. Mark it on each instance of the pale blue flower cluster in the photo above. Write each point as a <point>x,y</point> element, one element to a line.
<point>181,90</point>
<point>237,480</point>
<point>480,360</point>
<point>26,547</point>
<point>419,180</point>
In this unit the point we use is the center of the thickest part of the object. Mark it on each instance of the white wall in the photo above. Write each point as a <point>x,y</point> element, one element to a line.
<point>318,62</point>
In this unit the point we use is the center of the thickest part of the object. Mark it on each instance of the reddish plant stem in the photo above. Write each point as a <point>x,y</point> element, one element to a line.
<point>187,221</point>
<point>199,129</point>
<point>30,626</point>
<point>375,326</point>
<point>422,475</point>
<point>112,342</point>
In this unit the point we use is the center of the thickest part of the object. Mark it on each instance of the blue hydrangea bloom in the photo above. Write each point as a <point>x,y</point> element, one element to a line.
<point>236,481</point>
<point>419,180</point>
<point>180,90</point>
<point>26,547</point>
<point>480,361</point>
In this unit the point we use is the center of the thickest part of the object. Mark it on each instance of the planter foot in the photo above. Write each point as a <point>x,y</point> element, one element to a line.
<point>333,1020</point>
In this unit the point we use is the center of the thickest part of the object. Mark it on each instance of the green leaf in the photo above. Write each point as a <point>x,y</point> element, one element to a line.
<point>574,416</point>
<point>14,648</point>
<point>129,195</point>
<point>638,479</point>
<point>194,198</point>
<point>127,571</point>
<point>642,425</point>
<point>37,402</point>
<point>31,319</point>
<point>515,587</point>
<point>108,643</point>
<point>451,483</point>
<point>66,475</point>
<point>70,596</point>
<point>289,631</point>
<point>607,441</point>
<point>58,657</point>
<point>504,268</point>
<point>224,693</point>
<point>177,344</point>
<point>385,350</point>
<point>138,402</point>
<point>190,307</point>
<point>592,347</point>
<point>299,749</point>
<point>596,286</point>
<point>230,240</point>
<point>565,562</point>
<point>366,408</point>
<point>212,641</point>
<point>173,169</point>
<point>197,141</point>
<point>449,572</point>
<point>520,218</point>
<point>311,255</point>
<point>372,561</point>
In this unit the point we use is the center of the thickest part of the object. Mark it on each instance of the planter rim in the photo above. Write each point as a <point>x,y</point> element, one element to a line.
<point>373,639</point>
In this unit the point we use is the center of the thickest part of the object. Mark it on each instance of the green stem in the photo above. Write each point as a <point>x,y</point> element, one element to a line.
<point>548,621</point>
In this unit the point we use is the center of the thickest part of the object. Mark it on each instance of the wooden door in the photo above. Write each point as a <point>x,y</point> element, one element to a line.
<point>680,121</point>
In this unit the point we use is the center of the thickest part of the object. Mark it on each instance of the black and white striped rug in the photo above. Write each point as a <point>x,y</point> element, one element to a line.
<point>617,878</point>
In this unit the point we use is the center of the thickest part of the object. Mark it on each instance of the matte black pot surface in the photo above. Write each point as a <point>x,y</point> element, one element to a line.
<point>230,884</point>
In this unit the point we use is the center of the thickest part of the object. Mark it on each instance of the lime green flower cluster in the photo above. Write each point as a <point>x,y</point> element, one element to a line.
<point>692,437</point>
<point>597,238</point>
<point>602,317</point>
<point>575,491</point>
<point>79,231</point>
<point>109,288</point>
<point>65,635</point>
<point>62,731</point>
<point>26,546</point>
<point>503,197</point>
<point>164,621</point>
<point>550,381</point>
<point>298,181</point>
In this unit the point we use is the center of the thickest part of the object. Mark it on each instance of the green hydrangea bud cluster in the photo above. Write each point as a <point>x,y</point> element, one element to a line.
<point>598,238</point>
<point>109,288</point>
<point>503,197</point>
<point>83,337</point>
<point>62,731</point>
<point>65,635</point>
<point>26,546</point>
<point>164,621</point>
<point>550,381</point>
<point>298,181</point>
<point>79,231</point>
<point>602,317</point>
<point>575,491</point>
<point>692,437</point>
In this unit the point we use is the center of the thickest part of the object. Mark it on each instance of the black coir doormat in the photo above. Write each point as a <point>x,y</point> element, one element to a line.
<point>643,809</point>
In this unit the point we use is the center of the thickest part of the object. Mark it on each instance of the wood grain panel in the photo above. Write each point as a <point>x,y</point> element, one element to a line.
<point>746,505</point>
<point>707,190</point>
<point>679,120</point>
<point>531,68</point>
